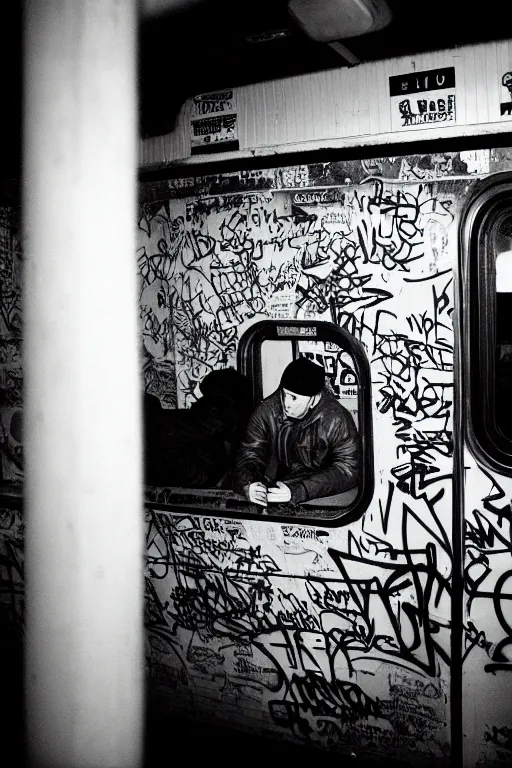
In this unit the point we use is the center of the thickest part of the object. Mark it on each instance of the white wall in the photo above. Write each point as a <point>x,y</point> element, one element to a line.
<point>350,107</point>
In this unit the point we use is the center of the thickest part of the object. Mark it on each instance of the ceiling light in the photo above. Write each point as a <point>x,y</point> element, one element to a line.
<point>328,20</point>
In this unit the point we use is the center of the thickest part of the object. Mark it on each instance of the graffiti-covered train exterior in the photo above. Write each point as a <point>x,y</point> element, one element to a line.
<point>378,624</point>
<point>349,635</point>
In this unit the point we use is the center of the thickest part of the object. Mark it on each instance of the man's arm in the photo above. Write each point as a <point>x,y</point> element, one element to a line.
<point>343,470</point>
<point>252,455</point>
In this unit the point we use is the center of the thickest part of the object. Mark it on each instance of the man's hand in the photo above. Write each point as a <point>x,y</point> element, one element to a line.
<point>257,493</point>
<point>279,494</point>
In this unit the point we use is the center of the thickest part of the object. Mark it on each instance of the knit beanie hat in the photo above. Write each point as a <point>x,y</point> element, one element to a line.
<point>303,377</point>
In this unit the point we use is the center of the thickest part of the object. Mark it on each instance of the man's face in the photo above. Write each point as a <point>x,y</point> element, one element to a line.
<point>295,406</point>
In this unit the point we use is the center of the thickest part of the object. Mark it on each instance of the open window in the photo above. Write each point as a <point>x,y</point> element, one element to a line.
<point>487,236</point>
<point>264,351</point>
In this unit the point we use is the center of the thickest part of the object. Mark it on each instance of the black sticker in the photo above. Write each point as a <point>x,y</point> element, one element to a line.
<point>417,82</point>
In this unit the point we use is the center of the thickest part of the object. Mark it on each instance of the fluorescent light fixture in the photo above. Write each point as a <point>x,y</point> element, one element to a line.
<point>329,20</point>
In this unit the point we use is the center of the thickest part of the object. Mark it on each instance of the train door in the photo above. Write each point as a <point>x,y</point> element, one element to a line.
<point>487,407</point>
<point>328,629</point>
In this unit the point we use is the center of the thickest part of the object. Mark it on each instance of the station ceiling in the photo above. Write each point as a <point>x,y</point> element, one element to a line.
<point>218,44</point>
<point>215,44</point>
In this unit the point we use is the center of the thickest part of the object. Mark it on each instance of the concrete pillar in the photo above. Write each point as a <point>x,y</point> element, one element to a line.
<point>84,527</point>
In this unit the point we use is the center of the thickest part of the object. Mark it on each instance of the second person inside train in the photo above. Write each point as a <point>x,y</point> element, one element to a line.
<point>300,443</point>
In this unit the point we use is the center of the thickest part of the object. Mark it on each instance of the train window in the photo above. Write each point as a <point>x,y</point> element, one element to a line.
<point>264,353</point>
<point>488,243</point>
<point>503,359</point>
<point>328,474</point>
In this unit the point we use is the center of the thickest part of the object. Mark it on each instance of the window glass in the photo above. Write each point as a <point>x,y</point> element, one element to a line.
<point>275,356</point>
<point>501,246</point>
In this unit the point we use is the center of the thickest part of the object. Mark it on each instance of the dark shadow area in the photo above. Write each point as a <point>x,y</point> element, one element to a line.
<point>11,699</point>
<point>196,447</point>
<point>170,736</point>
<point>166,736</point>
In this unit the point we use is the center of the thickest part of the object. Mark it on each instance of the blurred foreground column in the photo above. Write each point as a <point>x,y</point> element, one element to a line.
<point>84,672</point>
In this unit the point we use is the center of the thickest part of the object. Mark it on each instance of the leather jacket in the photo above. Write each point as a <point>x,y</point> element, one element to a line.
<point>316,456</point>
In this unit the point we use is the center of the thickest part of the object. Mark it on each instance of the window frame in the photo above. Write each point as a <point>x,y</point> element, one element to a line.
<point>249,364</point>
<point>491,200</point>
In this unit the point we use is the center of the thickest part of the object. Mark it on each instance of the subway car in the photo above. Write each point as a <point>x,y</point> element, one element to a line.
<point>376,621</point>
